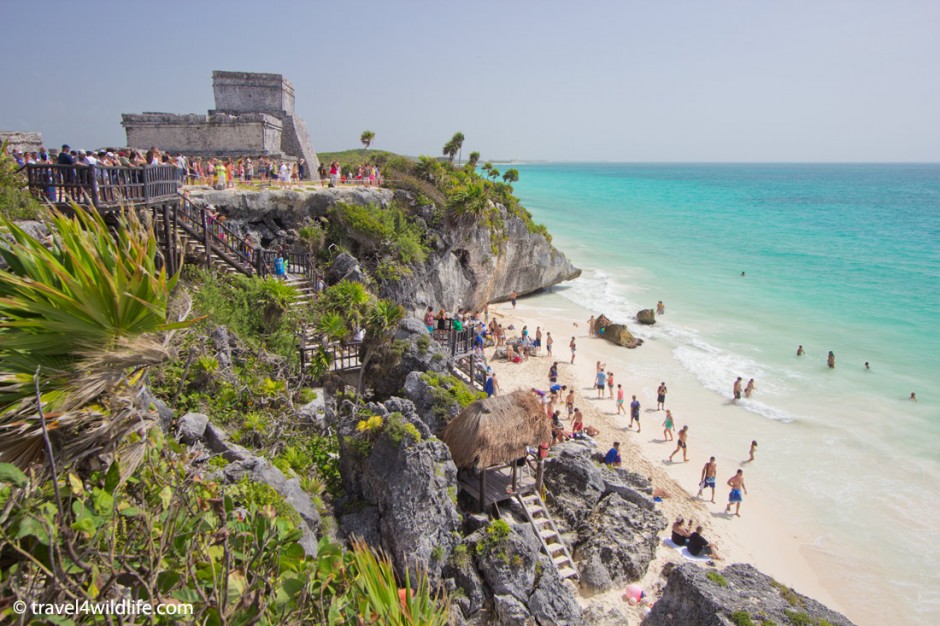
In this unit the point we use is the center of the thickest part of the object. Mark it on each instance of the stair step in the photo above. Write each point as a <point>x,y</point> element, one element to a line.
<point>547,534</point>
<point>567,572</point>
<point>558,560</point>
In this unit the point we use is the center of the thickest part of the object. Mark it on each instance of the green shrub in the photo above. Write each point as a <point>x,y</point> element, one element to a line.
<point>717,578</point>
<point>787,593</point>
<point>233,552</point>
<point>799,618</point>
<point>741,618</point>
<point>399,430</point>
<point>460,555</point>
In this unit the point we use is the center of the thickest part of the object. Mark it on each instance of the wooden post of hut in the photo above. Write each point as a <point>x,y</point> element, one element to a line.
<point>482,491</point>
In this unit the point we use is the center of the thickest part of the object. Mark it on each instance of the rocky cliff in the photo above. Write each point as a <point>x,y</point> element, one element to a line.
<point>468,265</point>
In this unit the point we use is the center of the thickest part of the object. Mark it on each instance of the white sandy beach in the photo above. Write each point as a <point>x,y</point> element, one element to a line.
<point>761,535</point>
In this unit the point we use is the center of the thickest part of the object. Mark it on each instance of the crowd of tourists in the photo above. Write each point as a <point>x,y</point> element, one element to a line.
<point>217,172</point>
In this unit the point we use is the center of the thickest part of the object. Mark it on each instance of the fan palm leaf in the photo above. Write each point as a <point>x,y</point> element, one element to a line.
<point>84,309</point>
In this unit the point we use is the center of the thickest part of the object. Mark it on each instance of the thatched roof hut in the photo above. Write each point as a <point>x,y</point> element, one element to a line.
<point>497,430</point>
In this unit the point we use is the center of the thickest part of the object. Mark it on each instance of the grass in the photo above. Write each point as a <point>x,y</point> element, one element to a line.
<point>717,578</point>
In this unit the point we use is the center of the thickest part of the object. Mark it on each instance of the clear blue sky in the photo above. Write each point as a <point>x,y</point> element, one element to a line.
<point>721,80</point>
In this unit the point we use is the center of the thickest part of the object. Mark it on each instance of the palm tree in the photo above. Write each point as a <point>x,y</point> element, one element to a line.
<point>450,150</point>
<point>487,167</point>
<point>367,137</point>
<point>468,200</point>
<point>473,160</point>
<point>80,321</point>
<point>493,173</point>
<point>382,318</point>
<point>457,140</point>
<point>511,175</point>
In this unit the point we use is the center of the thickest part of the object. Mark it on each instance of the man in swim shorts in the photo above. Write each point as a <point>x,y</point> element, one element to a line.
<point>661,396</point>
<point>708,478</point>
<point>512,298</point>
<point>635,414</point>
<point>737,388</point>
<point>599,383</point>
<point>736,483</point>
<point>681,445</point>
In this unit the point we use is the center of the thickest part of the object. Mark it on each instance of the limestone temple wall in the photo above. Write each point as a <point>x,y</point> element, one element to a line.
<point>254,116</point>
<point>22,141</point>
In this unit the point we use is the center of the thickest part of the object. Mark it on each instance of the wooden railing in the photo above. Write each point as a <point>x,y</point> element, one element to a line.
<point>343,356</point>
<point>105,188</point>
<point>457,342</point>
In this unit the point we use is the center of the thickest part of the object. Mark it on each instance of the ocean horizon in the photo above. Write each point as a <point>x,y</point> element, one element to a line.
<point>836,257</point>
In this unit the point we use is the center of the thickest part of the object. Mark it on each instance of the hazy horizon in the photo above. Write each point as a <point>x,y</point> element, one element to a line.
<point>729,81</point>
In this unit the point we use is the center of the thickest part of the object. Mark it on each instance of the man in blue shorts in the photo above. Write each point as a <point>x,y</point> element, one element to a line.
<point>708,478</point>
<point>736,483</point>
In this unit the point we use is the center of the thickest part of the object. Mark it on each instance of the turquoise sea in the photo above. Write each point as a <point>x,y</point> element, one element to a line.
<point>835,257</point>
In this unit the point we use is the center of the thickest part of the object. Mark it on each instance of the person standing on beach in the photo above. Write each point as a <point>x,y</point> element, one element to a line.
<point>553,373</point>
<point>573,348</point>
<point>831,360</point>
<point>569,403</point>
<point>599,383</point>
<point>737,389</point>
<point>548,343</point>
<point>736,483</point>
<point>681,445</point>
<point>661,396</point>
<point>620,408</point>
<point>491,387</point>
<point>538,340</point>
<point>668,426</point>
<point>635,414</point>
<point>709,472</point>
<point>800,351</point>
<point>752,451</point>
<point>591,323</point>
<point>512,298</point>
<point>749,389</point>
<point>660,308</point>
<point>610,385</point>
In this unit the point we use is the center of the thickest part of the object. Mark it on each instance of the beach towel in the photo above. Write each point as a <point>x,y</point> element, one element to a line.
<point>685,552</point>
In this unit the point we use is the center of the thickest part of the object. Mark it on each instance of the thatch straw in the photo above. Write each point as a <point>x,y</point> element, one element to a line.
<point>497,430</point>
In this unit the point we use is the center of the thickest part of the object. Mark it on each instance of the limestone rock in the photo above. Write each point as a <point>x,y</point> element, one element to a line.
<point>191,427</point>
<point>422,354</point>
<point>524,583</point>
<point>364,525</point>
<point>345,267</point>
<point>465,576</point>
<point>260,470</point>
<point>601,321</point>
<point>646,316</point>
<point>412,484</point>
<point>616,527</point>
<point>575,484</point>
<point>618,542</point>
<point>620,335</point>
<point>690,597</point>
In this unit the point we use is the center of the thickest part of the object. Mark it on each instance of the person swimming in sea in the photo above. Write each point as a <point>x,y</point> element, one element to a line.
<point>800,351</point>
<point>831,360</point>
<point>913,396</point>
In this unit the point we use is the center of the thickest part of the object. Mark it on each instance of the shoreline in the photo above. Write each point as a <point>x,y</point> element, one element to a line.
<point>760,536</point>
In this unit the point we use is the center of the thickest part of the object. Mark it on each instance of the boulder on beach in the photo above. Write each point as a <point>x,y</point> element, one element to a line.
<point>620,335</point>
<point>646,316</point>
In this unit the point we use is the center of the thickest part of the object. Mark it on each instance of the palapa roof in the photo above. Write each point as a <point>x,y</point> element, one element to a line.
<point>496,430</point>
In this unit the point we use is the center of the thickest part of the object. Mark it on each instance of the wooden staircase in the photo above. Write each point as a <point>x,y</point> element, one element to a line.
<point>535,509</point>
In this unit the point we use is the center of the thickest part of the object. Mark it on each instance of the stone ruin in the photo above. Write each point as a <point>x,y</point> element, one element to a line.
<point>254,116</point>
<point>22,141</point>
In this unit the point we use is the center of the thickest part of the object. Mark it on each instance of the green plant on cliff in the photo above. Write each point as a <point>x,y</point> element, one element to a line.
<point>232,552</point>
<point>16,203</point>
<point>378,236</point>
<point>717,578</point>
<point>366,138</point>
<point>450,393</point>
<point>79,321</point>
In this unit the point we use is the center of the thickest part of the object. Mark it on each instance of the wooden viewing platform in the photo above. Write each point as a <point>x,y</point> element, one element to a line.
<point>497,484</point>
<point>105,188</point>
